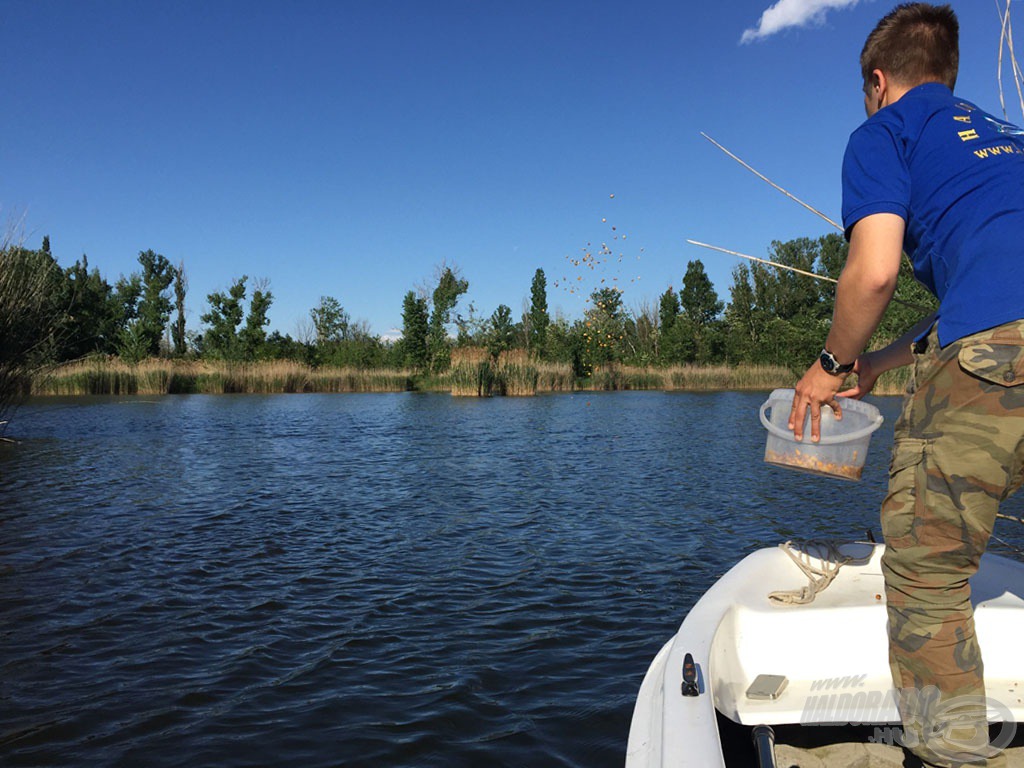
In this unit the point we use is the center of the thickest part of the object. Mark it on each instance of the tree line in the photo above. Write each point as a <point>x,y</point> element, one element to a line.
<point>772,316</point>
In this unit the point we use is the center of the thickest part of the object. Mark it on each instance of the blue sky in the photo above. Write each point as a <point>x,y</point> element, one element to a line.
<point>348,148</point>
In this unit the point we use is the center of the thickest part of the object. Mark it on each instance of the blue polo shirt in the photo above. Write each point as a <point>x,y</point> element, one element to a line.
<point>956,176</point>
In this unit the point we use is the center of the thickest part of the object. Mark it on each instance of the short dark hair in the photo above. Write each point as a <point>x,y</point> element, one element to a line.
<point>915,43</point>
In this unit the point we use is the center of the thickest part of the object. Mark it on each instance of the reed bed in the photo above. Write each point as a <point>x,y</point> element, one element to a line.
<point>474,373</point>
<point>719,377</point>
<point>700,378</point>
<point>555,377</point>
<point>109,376</point>
<point>477,373</point>
<point>893,382</point>
<point>516,374</point>
<point>471,374</point>
<point>618,378</point>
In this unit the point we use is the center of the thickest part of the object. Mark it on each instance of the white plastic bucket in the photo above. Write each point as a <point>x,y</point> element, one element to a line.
<point>843,447</point>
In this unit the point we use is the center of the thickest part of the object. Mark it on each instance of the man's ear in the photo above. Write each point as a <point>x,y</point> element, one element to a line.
<point>879,87</point>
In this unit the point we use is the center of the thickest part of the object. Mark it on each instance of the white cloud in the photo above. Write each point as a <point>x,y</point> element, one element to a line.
<point>792,13</point>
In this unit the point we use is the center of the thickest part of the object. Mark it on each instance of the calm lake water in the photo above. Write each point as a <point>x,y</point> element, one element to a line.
<point>400,579</point>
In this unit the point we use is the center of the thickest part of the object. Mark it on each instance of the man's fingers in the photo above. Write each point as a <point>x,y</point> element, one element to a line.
<point>796,418</point>
<point>815,422</point>
<point>836,407</point>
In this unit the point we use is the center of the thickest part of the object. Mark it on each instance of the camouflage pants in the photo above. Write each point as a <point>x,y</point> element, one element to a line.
<point>959,451</point>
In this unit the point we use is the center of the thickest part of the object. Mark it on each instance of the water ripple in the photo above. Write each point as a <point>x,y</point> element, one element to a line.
<point>395,579</point>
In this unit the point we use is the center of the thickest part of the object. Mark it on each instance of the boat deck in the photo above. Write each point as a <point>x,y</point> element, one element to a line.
<point>838,706</point>
<point>834,651</point>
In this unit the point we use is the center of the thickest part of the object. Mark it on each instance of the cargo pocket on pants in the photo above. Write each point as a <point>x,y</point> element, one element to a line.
<point>996,356</point>
<point>899,507</point>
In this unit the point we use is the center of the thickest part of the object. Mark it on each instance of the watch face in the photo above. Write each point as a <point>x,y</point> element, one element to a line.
<point>828,362</point>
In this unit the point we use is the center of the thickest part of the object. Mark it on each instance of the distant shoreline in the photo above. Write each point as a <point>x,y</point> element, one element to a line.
<point>111,376</point>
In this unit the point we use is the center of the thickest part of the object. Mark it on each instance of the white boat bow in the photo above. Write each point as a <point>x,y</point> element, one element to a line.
<point>832,652</point>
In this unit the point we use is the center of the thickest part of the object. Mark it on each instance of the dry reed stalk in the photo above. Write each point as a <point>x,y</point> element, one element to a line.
<point>469,379</point>
<point>895,299</point>
<point>469,355</point>
<point>555,377</point>
<point>813,210</point>
<point>516,357</point>
<point>516,373</point>
<point>705,378</point>
<point>1006,41</point>
<point>763,261</point>
<point>761,176</point>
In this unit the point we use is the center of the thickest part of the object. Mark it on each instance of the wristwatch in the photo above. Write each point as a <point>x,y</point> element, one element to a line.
<point>831,365</point>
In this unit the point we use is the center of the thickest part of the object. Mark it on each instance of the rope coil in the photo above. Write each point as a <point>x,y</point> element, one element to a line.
<point>819,576</point>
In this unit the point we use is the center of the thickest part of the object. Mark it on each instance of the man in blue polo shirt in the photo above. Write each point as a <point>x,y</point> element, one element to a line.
<point>933,175</point>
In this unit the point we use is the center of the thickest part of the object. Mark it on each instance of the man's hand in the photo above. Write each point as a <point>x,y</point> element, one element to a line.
<point>866,284</point>
<point>816,388</point>
<point>866,378</point>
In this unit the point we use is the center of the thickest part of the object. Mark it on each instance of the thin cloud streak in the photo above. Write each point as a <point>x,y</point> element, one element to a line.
<point>792,13</point>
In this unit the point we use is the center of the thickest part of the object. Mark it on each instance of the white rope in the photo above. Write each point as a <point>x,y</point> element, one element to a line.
<point>818,576</point>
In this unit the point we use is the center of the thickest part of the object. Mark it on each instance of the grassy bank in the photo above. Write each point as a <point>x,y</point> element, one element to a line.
<point>691,378</point>
<point>474,373</point>
<point>101,376</point>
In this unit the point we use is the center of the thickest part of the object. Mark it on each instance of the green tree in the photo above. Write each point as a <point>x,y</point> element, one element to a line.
<point>668,309</point>
<point>564,343</point>
<point>178,329</point>
<point>502,331</point>
<point>603,329</point>
<point>790,295</point>
<point>359,349</point>
<point>32,317</point>
<point>832,251</point>
<point>741,318</point>
<point>154,307</point>
<point>679,343</point>
<point>701,309</point>
<point>668,313</point>
<point>777,316</point>
<point>446,295</point>
<point>538,318</point>
<point>91,315</point>
<point>253,335</point>
<point>224,318</point>
<point>473,328</point>
<point>414,331</point>
<point>129,342</point>
<point>641,338</point>
<point>284,347</point>
<point>698,298</point>
<point>330,321</point>
<point>133,345</point>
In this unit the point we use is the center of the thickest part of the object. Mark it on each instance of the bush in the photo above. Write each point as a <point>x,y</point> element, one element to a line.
<point>30,316</point>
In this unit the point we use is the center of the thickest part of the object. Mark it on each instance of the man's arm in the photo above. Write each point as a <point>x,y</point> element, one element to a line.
<point>871,365</point>
<point>865,288</point>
